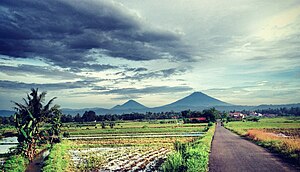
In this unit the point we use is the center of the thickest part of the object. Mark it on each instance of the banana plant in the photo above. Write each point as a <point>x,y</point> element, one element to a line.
<point>29,118</point>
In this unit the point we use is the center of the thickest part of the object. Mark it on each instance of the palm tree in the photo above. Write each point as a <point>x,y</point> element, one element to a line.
<point>29,117</point>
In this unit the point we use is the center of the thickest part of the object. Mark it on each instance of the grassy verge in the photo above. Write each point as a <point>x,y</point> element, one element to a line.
<point>15,163</point>
<point>287,147</point>
<point>57,160</point>
<point>191,157</point>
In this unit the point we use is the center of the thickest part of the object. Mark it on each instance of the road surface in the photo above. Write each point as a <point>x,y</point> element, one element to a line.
<point>231,153</point>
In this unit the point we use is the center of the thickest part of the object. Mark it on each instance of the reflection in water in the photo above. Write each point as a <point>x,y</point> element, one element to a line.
<point>7,143</point>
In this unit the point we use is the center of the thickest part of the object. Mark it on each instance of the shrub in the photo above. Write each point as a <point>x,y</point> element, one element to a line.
<point>191,157</point>
<point>205,129</point>
<point>173,163</point>
<point>66,134</point>
<point>103,125</point>
<point>15,163</point>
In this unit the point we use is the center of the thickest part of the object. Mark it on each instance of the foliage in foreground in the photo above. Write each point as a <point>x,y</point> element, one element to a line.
<point>57,161</point>
<point>190,157</point>
<point>15,163</point>
<point>29,118</point>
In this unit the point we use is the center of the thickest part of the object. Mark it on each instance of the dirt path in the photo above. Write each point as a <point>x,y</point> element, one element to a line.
<point>37,164</point>
<point>231,153</point>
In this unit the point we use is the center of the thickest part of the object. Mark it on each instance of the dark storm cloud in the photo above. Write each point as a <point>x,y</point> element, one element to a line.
<point>37,70</point>
<point>148,90</point>
<point>66,33</point>
<point>156,74</point>
<point>14,85</point>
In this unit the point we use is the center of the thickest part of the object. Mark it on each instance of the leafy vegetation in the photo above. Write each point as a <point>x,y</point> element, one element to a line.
<point>190,157</point>
<point>15,163</point>
<point>28,120</point>
<point>173,163</point>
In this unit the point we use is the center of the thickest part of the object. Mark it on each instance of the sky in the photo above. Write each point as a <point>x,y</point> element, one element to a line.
<point>99,53</point>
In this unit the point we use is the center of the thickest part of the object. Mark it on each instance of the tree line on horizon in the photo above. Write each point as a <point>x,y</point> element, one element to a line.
<point>91,116</point>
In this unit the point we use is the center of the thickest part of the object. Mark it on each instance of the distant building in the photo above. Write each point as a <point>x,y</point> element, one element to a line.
<point>237,116</point>
<point>255,114</point>
<point>196,120</point>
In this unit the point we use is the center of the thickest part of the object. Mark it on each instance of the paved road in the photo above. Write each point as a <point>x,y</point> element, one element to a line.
<point>231,153</point>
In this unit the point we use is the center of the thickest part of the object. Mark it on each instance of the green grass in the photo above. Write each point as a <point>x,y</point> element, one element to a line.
<point>191,157</point>
<point>132,127</point>
<point>174,163</point>
<point>58,159</point>
<point>241,128</point>
<point>133,130</point>
<point>15,163</point>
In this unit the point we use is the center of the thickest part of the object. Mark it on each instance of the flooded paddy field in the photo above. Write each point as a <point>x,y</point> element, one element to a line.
<point>132,147</point>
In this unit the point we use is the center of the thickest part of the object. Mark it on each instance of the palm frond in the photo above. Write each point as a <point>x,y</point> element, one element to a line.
<point>42,96</point>
<point>46,107</point>
<point>26,102</point>
<point>32,92</point>
<point>19,106</point>
<point>28,97</point>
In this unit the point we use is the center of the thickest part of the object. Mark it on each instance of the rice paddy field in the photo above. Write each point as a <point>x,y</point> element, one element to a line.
<point>281,135</point>
<point>128,146</point>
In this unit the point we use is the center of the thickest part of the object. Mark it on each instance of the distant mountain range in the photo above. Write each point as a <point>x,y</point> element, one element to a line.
<point>195,101</point>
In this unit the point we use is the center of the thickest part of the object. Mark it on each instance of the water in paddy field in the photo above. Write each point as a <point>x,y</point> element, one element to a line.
<point>135,135</point>
<point>7,143</point>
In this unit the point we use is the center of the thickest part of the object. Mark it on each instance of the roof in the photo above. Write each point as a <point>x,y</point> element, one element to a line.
<point>199,118</point>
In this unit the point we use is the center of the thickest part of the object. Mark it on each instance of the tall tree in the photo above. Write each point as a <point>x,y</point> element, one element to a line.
<point>28,120</point>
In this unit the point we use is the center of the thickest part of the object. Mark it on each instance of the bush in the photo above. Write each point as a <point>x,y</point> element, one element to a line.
<point>191,157</point>
<point>173,163</point>
<point>15,163</point>
<point>205,129</point>
<point>66,134</point>
<point>180,147</point>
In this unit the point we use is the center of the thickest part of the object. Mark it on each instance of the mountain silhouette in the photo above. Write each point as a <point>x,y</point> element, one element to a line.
<point>131,104</point>
<point>198,99</point>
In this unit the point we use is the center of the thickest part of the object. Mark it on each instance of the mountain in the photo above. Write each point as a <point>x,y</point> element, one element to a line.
<point>6,113</point>
<point>197,99</point>
<point>130,105</point>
